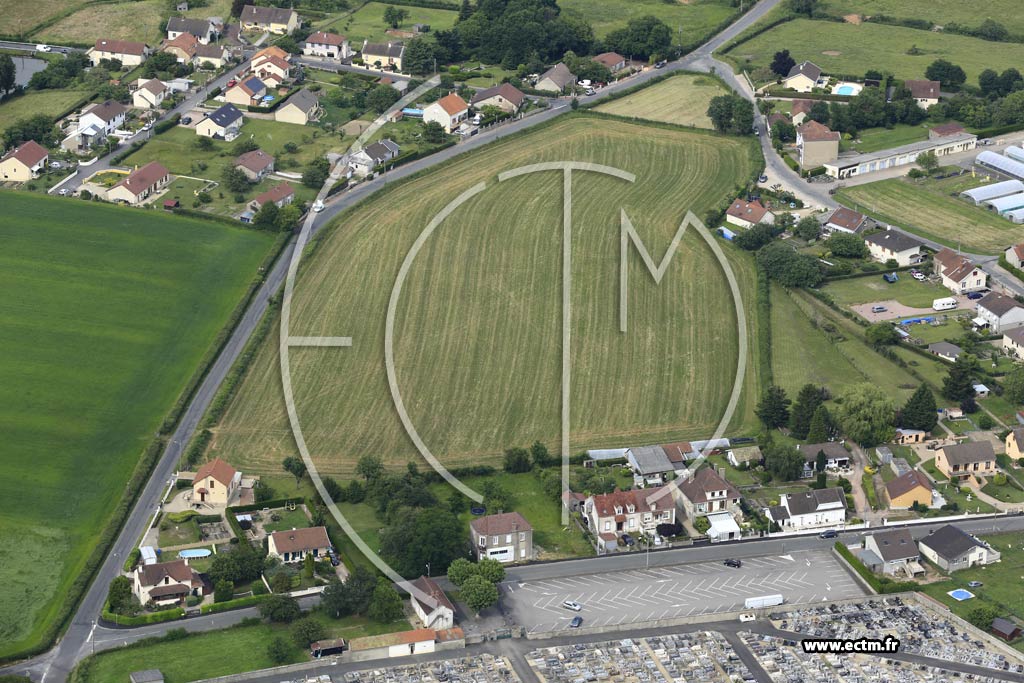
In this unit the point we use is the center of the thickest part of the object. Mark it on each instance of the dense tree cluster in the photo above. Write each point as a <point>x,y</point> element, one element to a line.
<point>731,114</point>
<point>510,32</point>
<point>789,267</point>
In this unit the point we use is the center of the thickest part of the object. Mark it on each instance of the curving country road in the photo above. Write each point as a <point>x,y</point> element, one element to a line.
<point>83,635</point>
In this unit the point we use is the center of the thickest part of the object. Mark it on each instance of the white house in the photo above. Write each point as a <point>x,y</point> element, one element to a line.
<point>203,29</point>
<point>150,94</point>
<point>449,111</point>
<point>951,549</point>
<point>958,273</point>
<point>431,605</point>
<point>809,510</point>
<point>327,45</point>
<point>748,214</point>
<point>894,245</point>
<point>999,313</point>
<point>127,52</point>
<point>894,552</point>
<point>505,537</point>
<point>105,117</point>
<point>165,583</point>
<point>803,77</point>
<point>925,93</point>
<point>373,155</point>
<point>845,220</point>
<point>706,492</point>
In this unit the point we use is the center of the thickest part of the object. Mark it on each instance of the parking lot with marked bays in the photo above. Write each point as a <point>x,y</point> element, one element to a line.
<point>644,595</point>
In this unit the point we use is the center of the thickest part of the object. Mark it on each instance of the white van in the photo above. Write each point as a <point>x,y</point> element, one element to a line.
<point>946,304</point>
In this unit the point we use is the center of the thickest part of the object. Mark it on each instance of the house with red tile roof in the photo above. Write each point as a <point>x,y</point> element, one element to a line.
<point>958,273</point>
<point>282,195</point>
<point>634,512</point>
<point>431,605</point>
<point>140,184</point>
<point>166,583</point>
<point>24,162</point>
<point>817,144</point>
<point>216,483</point>
<point>449,111</point>
<point>506,97</point>
<point>612,61</point>
<point>1015,255</point>
<point>748,214</point>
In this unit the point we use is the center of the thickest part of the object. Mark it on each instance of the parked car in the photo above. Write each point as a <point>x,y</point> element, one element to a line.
<point>762,179</point>
<point>890,277</point>
<point>974,296</point>
<point>573,605</point>
<point>43,48</point>
<point>576,622</point>
<point>748,616</point>
<point>185,120</point>
<point>733,562</point>
<point>658,540</point>
<point>829,533</point>
<point>318,206</point>
<point>148,126</point>
<point>659,65</point>
<point>55,164</point>
<point>628,540</point>
<point>231,84</point>
<point>919,276</point>
<point>975,584</point>
<point>63,192</point>
<point>878,309</point>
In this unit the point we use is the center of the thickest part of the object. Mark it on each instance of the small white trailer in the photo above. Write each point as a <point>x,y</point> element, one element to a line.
<point>763,601</point>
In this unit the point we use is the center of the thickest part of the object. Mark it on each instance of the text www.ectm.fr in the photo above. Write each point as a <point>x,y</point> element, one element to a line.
<point>857,645</point>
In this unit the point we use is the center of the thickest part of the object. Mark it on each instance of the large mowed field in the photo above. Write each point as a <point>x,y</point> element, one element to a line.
<point>1006,12</point>
<point>478,325</point>
<point>682,99</point>
<point>50,102</point>
<point>106,314</point>
<point>696,18</point>
<point>853,49</point>
<point>931,213</point>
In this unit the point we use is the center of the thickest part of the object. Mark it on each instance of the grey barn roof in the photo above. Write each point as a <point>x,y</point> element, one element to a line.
<point>651,459</point>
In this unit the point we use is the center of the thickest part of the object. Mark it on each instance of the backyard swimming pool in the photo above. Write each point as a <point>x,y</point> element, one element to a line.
<point>848,89</point>
<point>193,553</point>
<point>960,594</point>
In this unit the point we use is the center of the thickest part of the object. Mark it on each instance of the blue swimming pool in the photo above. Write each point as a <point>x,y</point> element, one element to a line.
<point>194,553</point>
<point>846,90</point>
<point>960,594</point>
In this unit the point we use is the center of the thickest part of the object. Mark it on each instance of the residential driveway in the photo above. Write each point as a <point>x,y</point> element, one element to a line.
<point>644,595</point>
<point>895,310</point>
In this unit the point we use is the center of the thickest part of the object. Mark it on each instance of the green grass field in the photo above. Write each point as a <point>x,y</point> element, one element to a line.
<point>682,99</point>
<point>51,102</point>
<point>478,325</point>
<point>696,18</point>
<point>367,22</point>
<point>929,212</point>
<point>218,653</point>
<point>107,313</point>
<point>874,139</point>
<point>875,46</point>
<point>906,290</point>
<point>1006,12</point>
<point>140,21</point>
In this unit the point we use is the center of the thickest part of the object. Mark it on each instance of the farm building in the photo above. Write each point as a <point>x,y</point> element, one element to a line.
<point>849,165</point>
<point>1015,153</point>
<point>1002,205</point>
<point>1001,163</point>
<point>993,191</point>
<point>1015,216</point>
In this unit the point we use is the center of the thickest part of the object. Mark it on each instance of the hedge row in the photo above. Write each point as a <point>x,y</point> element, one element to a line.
<point>999,130</point>
<point>140,619</point>
<point>827,97</point>
<point>764,325</point>
<point>132,149</point>
<point>166,124</point>
<point>429,4</point>
<point>237,603</point>
<point>879,584</point>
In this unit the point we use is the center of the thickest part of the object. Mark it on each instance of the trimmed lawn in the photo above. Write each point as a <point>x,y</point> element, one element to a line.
<point>874,139</point>
<point>1001,581</point>
<point>696,18</point>
<point>905,452</point>
<point>853,49</point>
<point>1008,493</point>
<point>732,475</point>
<point>108,313</point>
<point>290,519</point>
<point>51,102</point>
<point>922,209</point>
<point>952,495</point>
<point>178,534</point>
<point>867,482</point>
<point>929,333</point>
<point>960,427</point>
<point>906,290</point>
<point>218,653</point>
<point>1002,408</point>
<point>682,99</point>
<point>929,466</point>
<point>367,22</point>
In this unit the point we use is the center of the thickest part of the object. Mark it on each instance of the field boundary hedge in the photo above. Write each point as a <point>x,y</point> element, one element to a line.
<point>134,620</point>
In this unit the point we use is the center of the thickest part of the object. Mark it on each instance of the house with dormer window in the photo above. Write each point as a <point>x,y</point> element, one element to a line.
<point>706,492</point>
<point>634,512</point>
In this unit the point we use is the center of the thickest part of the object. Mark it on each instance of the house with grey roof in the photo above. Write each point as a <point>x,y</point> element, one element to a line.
<point>373,155</point>
<point>556,79</point>
<point>896,246</point>
<point>803,77</point>
<point>818,508</point>
<point>964,460</point>
<point>951,549</point>
<point>945,351</point>
<point>836,456</point>
<point>999,313</point>
<point>222,123</point>
<point>301,108</point>
<point>203,29</point>
<point>895,552</point>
